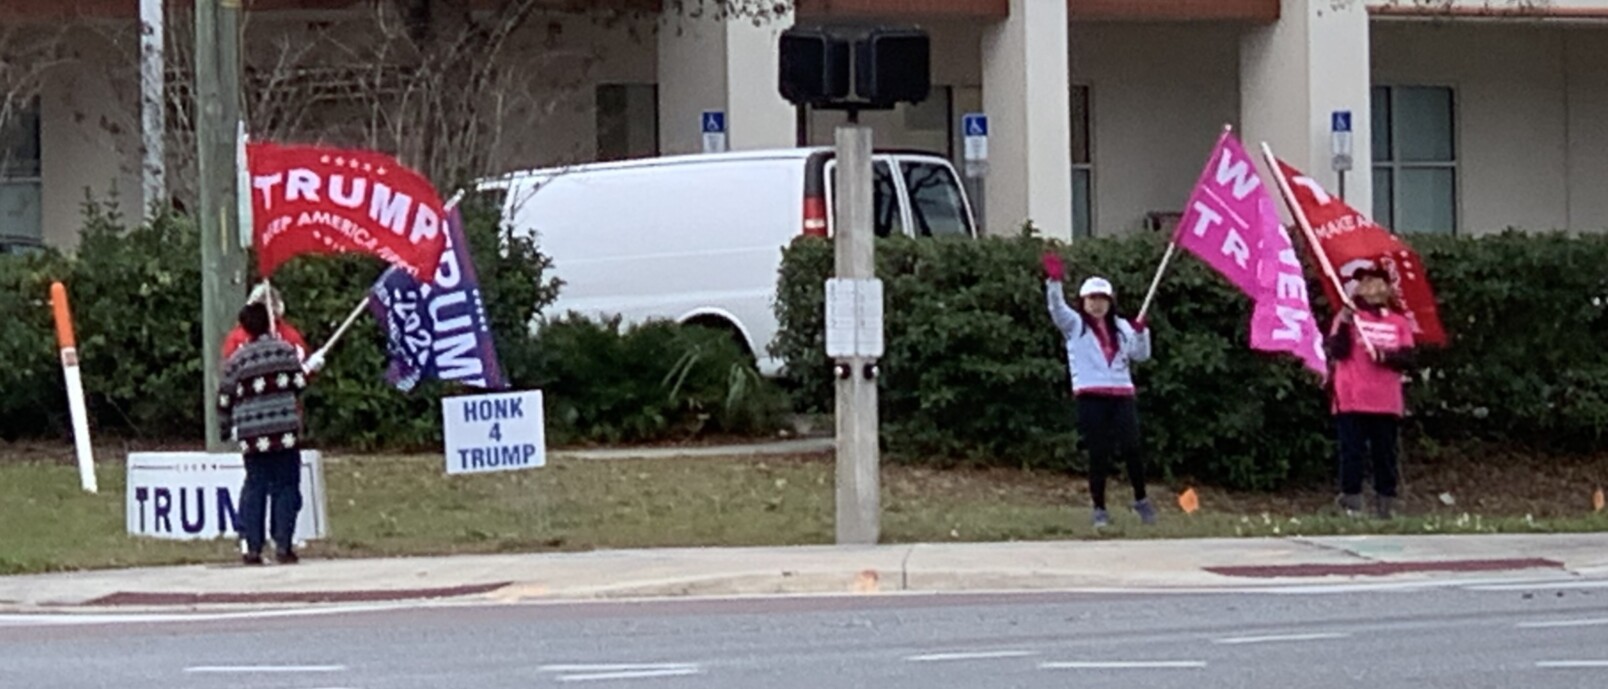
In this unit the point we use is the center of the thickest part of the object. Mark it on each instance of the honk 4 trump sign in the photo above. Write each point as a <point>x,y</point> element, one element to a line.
<point>499,432</point>
<point>314,200</point>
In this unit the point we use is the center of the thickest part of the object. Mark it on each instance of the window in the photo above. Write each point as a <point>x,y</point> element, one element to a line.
<point>627,121</point>
<point>1415,158</point>
<point>936,208</point>
<point>885,202</point>
<point>20,217</point>
<point>886,215</point>
<point>1082,165</point>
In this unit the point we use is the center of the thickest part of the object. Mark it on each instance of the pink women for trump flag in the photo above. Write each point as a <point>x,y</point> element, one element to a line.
<point>1232,225</point>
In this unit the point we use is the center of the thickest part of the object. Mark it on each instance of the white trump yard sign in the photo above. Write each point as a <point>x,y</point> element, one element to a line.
<point>196,495</point>
<point>496,432</point>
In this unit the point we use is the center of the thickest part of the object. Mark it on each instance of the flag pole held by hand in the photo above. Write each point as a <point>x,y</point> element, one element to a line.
<point>1166,259</point>
<point>363,303</point>
<point>1155,283</point>
<point>1312,241</point>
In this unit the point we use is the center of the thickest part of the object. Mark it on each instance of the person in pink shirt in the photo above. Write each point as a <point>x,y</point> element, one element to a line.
<point>1370,347</point>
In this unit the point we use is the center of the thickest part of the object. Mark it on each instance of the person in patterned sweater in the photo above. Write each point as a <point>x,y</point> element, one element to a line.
<point>258,398</point>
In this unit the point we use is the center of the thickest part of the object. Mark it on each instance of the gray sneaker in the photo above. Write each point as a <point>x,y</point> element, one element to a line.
<point>1102,519</point>
<point>1384,508</point>
<point>1147,511</point>
<point>1350,505</point>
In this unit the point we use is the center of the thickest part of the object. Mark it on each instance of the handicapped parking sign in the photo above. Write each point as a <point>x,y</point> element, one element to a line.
<point>975,127</point>
<point>713,125</point>
<point>975,124</point>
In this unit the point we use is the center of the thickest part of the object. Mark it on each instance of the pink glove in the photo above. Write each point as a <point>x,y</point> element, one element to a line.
<point>1139,325</point>
<point>1053,268</point>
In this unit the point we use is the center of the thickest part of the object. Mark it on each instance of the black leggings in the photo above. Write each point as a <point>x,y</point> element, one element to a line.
<point>1368,439</point>
<point>1109,428</point>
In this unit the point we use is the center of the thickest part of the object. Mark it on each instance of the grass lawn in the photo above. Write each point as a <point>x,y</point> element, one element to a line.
<point>406,506</point>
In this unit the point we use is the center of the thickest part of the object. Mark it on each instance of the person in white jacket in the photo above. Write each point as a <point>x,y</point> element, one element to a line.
<point>1100,350</point>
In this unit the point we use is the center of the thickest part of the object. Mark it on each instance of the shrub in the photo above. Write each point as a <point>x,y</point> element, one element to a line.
<point>653,381</point>
<point>974,371</point>
<point>31,396</point>
<point>136,294</point>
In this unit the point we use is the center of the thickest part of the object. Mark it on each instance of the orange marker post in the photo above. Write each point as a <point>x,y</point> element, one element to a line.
<point>75,386</point>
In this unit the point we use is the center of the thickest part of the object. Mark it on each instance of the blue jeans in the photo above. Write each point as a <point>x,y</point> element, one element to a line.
<point>270,477</point>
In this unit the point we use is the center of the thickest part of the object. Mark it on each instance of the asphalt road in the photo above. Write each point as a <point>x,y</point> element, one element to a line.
<point>1476,636</point>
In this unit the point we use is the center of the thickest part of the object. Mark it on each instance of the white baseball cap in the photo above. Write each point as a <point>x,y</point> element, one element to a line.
<point>1097,286</point>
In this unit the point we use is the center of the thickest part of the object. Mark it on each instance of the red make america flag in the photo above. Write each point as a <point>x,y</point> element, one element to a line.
<point>1350,240</point>
<point>314,200</point>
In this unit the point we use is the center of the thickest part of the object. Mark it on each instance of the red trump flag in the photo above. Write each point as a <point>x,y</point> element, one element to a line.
<point>314,200</point>
<point>1350,239</point>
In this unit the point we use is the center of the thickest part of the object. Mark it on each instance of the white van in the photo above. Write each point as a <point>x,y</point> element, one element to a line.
<point>698,239</point>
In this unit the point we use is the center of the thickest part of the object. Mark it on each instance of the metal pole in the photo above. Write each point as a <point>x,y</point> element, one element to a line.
<point>858,452</point>
<point>153,111</point>
<point>223,266</point>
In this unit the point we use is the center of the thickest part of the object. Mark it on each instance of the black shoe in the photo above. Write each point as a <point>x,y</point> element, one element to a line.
<point>286,557</point>
<point>251,559</point>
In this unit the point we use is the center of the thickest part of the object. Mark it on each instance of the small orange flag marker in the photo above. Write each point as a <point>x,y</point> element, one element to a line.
<point>1189,501</point>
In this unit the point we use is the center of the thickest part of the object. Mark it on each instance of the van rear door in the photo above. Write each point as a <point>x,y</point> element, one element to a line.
<point>890,213</point>
<point>924,199</point>
<point>937,205</point>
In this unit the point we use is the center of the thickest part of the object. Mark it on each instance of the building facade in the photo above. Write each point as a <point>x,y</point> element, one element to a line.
<point>1469,116</point>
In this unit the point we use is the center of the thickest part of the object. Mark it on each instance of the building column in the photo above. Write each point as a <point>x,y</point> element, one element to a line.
<point>727,64</point>
<point>1297,72</point>
<point>1027,96</point>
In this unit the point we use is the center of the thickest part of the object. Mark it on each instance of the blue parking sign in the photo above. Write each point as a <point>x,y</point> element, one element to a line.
<point>974,124</point>
<point>1340,121</point>
<point>714,122</point>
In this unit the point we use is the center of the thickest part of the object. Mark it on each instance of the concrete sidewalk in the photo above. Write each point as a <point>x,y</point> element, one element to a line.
<point>1137,564</point>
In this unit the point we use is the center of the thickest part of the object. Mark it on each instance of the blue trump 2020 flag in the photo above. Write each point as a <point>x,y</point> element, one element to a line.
<point>438,330</point>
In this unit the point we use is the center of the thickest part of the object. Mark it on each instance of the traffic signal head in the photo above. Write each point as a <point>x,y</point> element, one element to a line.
<point>894,66</point>
<point>814,67</point>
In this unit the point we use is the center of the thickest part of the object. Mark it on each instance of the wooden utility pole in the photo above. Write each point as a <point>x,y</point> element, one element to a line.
<point>859,500</point>
<point>223,264</point>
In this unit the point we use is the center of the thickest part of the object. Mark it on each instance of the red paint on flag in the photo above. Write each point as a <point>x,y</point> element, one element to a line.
<point>313,200</point>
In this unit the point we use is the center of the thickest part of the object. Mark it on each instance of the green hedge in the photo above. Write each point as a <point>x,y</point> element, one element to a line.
<point>975,372</point>
<point>136,295</point>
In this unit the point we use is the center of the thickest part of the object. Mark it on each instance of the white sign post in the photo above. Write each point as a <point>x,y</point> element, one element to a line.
<point>196,495</point>
<point>713,125</point>
<point>1340,145</point>
<point>497,432</point>
<point>975,126</point>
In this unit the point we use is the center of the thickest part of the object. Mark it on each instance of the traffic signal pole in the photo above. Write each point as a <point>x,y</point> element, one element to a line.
<point>859,500</point>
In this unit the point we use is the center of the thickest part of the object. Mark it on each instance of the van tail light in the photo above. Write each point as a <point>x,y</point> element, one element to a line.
<point>814,216</point>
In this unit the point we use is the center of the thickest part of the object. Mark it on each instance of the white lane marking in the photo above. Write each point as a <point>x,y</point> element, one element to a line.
<point>619,667</point>
<point>45,619</point>
<point>979,655</point>
<point>633,674</point>
<point>1569,664</point>
<point>1563,623</point>
<point>1560,585</point>
<point>1126,665</point>
<point>242,669</point>
<point>1286,637</point>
